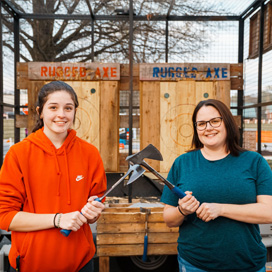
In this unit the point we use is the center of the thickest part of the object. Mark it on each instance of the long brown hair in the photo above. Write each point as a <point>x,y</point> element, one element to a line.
<point>45,91</point>
<point>232,140</point>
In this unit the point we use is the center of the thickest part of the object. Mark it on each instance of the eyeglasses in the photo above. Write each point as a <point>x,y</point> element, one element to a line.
<point>214,122</point>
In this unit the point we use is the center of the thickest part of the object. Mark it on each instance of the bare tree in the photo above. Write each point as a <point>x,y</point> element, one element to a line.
<point>70,40</point>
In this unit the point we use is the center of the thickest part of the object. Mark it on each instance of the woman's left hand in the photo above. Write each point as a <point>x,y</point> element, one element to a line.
<point>208,211</point>
<point>92,209</point>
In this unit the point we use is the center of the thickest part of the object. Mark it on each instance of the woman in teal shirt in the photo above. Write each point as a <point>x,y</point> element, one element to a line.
<point>228,193</point>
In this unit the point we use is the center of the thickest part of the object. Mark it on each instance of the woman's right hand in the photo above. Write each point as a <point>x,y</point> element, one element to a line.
<point>71,221</point>
<point>188,204</point>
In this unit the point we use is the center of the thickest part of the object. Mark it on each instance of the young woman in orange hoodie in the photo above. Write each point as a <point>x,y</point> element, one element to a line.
<point>49,181</point>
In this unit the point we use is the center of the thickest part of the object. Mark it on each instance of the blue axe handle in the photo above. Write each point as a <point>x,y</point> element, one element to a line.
<point>66,232</point>
<point>147,212</point>
<point>144,258</point>
<point>178,192</point>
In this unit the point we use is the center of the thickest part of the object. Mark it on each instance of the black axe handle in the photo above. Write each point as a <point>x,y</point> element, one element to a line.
<point>172,187</point>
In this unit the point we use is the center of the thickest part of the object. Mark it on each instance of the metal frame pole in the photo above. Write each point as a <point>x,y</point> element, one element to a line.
<point>17,92</point>
<point>1,90</point>
<point>166,40</point>
<point>260,71</point>
<point>92,40</point>
<point>130,87</point>
<point>241,92</point>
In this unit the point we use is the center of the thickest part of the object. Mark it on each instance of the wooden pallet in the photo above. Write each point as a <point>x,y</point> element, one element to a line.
<point>121,231</point>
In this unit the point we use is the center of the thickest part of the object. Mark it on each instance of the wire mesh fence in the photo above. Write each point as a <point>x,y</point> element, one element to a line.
<point>257,78</point>
<point>189,41</point>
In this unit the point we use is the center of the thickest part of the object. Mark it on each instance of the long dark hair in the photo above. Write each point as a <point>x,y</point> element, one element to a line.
<point>45,91</point>
<point>232,140</point>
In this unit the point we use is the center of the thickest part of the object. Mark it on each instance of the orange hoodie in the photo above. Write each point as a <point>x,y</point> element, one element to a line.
<point>38,178</point>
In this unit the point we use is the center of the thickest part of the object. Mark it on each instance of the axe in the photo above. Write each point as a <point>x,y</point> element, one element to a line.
<point>136,170</point>
<point>151,152</point>
<point>147,213</point>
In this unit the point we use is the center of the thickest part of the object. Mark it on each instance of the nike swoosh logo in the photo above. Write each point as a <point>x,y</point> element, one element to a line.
<point>78,178</point>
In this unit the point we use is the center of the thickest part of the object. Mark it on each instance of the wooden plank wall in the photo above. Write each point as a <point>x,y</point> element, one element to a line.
<point>87,122</point>
<point>236,81</point>
<point>109,128</point>
<point>150,109</point>
<point>254,33</point>
<point>166,113</point>
<point>149,114</point>
<point>97,117</point>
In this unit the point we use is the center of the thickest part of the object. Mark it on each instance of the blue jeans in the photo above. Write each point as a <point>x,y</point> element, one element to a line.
<point>184,266</point>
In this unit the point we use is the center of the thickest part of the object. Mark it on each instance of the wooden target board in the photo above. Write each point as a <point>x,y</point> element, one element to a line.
<point>166,114</point>
<point>87,123</point>
<point>97,117</point>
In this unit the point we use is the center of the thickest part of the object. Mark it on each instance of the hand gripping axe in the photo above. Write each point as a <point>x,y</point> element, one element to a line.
<point>151,152</point>
<point>136,171</point>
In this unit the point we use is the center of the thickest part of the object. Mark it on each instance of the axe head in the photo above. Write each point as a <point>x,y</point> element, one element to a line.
<point>149,152</point>
<point>137,171</point>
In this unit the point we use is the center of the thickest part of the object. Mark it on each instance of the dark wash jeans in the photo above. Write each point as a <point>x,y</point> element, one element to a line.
<point>89,267</point>
<point>184,266</point>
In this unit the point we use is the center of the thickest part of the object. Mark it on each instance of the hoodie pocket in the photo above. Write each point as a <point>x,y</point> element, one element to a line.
<point>40,249</point>
<point>21,242</point>
<point>19,248</point>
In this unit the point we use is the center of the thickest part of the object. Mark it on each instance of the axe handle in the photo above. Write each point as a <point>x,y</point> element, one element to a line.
<point>113,186</point>
<point>178,192</point>
<point>173,188</point>
<point>66,232</point>
<point>151,169</point>
<point>99,199</point>
<point>144,258</point>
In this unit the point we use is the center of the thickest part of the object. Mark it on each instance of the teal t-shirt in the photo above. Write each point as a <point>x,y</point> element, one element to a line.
<point>221,244</point>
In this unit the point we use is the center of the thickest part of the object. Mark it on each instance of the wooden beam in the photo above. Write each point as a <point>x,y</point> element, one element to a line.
<point>136,238</point>
<point>134,250</point>
<point>236,83</point>
<point>21,121</point>
<point>124,119</point>
<point>104,264</point>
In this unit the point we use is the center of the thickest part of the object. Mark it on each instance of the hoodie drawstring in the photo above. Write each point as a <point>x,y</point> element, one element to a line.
<point>67,179</point>
<point>67,176</point>
<point>58,172</point>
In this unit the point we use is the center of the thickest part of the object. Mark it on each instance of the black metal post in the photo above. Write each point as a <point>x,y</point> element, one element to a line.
<point>92,40</point>
<point>1,91</point>
<point>250,9</point>
<point>130,87</point>
<point>241,92</point>
<point>166,40</point>
<point>260,71</point>
<point>17,92</point>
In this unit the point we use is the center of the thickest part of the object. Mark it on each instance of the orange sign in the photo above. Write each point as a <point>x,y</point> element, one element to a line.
<point>73,71</point>
<point>25,110</point>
